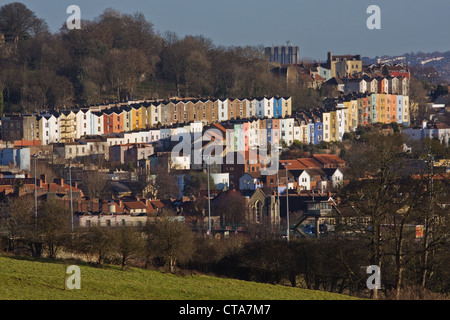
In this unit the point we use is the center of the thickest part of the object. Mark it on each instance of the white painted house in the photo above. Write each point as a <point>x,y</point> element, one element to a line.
<point>223,109</point>
<point>49,131</point>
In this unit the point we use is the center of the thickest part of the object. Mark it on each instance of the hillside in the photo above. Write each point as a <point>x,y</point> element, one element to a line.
<point>26,279</point>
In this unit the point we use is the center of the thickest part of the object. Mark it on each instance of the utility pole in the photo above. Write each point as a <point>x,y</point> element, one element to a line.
<point>71,200</point>
<point>287,202</point>
<point>278,189</point>
<point>35,190</point>
<point>278,199</point>
<point>209,198</point>
<point>428,236</point>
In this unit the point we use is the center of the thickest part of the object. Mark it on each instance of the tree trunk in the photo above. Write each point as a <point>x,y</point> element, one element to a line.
<point>124,262</point>
<point>425,252</point>
<point>377,250</point>
<point>100,259</point>
<point>293,280</point>
<point>399,262</point>
<point>171,264</point>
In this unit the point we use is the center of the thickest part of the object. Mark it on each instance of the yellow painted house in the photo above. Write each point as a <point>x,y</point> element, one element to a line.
<point>344,65</point>
<point>127,111</point>
<point>137,117</point>
<point>333,126</point>
<point>381,108</point>
<point>353,115</point>
<point>286,106</point>
<point>347,115</point>
<point>67,123</point>
<point>326,120</point>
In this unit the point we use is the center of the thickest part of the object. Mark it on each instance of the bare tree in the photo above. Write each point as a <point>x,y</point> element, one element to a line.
<point>54,226</point>
<point>165,183</point>
<point>128,242</point>
<point>169,238</point>
<point>15,215</point>
<point>375,196</point>
<point>232,207</point>
<point>94,184</point>
<point>18,22</point>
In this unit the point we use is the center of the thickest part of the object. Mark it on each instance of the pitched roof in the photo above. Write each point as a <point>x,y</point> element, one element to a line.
<point>293,164</point>
<point>310,163</point>
<point>135,205</point>
<point>329,159</point>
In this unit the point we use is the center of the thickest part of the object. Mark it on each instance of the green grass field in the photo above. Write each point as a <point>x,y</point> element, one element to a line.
<point>28,279</point>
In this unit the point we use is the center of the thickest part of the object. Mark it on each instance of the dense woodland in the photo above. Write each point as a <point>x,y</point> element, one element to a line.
<point>120,57</point>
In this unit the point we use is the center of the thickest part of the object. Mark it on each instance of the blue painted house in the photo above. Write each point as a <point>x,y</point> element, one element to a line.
<point>277,107</point>
<point>318,132</point>
<point>399,109</point>
<point>373,97</point>
<point>18,157</point>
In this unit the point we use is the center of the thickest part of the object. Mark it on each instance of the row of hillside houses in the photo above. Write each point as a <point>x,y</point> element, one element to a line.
<point>347,73</point>
<point>388,85</point>
<point>68,125</point>
<point>315,76</point>
<point>327,123</point>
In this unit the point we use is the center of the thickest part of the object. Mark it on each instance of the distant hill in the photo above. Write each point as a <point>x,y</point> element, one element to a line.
<point>434,67</point>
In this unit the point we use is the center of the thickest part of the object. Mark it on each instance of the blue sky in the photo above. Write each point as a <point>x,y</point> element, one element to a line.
<point>316,26</point>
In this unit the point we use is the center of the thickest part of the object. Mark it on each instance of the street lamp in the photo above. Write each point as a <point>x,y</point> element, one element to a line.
<point>35,190</point>
<point>71,200</point>
<point>287,202</point>
<point>278,189</point>
<point>209,198</point>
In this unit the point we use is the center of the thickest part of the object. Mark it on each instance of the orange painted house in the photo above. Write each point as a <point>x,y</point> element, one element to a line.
<point>393,108</point>
<point>113,121</point>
